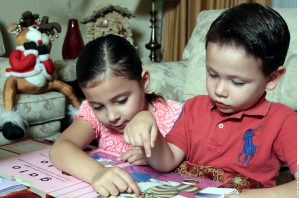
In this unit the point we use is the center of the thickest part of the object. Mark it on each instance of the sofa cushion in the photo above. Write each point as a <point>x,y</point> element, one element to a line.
<point>285,92</point>
<point>40,108</point>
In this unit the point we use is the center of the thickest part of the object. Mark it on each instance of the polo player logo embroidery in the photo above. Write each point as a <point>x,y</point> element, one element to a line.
<point>248,148</point>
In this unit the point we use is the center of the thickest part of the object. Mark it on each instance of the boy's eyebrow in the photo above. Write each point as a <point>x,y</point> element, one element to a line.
<point>209,68</point>
<point>230,76</point>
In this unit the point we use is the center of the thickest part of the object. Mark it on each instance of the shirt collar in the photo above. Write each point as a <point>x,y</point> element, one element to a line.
<point>261,108</point>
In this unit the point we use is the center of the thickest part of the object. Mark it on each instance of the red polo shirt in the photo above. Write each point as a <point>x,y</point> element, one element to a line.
<point>254,143</point>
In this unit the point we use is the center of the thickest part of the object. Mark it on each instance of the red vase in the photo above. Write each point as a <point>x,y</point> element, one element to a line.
<point>73,42</point>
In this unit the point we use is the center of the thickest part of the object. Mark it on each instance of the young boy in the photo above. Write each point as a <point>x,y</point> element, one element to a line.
<point>234,134</point>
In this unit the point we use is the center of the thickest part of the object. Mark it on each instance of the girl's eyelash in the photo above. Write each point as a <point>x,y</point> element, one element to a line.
<point>98,107</point>
<point>122,101</point>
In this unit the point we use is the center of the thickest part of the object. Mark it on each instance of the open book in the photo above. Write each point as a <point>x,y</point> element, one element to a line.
<point>35,170</point>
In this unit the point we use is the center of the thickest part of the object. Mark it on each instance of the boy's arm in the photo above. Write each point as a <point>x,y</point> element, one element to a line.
<point>165,156</point>
<point>142,131</point>
<point>285,190</point>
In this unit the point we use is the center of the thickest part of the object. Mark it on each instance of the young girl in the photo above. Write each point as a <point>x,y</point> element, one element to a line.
<point>110,75</point>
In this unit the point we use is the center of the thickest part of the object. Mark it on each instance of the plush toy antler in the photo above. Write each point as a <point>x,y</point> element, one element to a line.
<point>30,70</point>
<point>49,28</point>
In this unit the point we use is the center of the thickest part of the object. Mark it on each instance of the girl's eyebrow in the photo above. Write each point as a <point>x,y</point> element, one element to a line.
<point>125,93</point>
<point>94,103</point>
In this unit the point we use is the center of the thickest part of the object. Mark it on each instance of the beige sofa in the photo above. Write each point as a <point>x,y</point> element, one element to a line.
<point>174,80</point>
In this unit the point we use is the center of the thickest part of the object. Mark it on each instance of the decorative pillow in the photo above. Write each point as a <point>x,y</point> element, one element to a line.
<point>204,19</point>
<point>167,79</point>
<point>285,92</point>
<point>195,53</point>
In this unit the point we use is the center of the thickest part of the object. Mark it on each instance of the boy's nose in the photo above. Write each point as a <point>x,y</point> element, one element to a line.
<point>221,90</point>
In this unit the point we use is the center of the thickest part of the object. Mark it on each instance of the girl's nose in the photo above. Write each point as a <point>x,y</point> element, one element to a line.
<point>113,116</point>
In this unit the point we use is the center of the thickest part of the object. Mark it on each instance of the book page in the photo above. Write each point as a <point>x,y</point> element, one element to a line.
<point>35,170</point>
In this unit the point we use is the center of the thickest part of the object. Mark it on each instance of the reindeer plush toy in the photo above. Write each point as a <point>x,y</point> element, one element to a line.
<point>30,70</point>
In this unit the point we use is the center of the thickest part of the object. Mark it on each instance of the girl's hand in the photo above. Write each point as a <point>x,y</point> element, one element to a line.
<point>142,131</point>
<point>135,156</point>
<point>113,181</point>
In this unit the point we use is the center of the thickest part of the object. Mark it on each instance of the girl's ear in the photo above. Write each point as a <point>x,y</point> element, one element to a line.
<point>274,78</point>
<point>145,80</point>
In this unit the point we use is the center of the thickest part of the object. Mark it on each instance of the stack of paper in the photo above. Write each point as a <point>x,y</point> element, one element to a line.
<point>8,186</point>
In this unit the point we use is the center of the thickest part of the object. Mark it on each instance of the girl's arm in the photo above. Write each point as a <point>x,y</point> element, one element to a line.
<point>67,152</point>
<point>67,155</point>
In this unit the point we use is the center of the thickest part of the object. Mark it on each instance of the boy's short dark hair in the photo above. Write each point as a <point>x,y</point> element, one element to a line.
<point>260,30</point>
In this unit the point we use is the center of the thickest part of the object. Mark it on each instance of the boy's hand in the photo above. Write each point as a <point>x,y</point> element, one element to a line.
<point>142,131</point>
<point>113,181</point>
<point>135,156</point>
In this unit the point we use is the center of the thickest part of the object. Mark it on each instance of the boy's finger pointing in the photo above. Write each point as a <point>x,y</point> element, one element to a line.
<point>153,136</point>
<point>147,146</point>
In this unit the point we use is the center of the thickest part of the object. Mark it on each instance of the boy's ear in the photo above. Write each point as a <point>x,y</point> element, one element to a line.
<point>145,80</point>
<point>274,78</point>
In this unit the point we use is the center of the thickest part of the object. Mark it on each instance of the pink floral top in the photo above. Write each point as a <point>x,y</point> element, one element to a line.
<point>165,112</point>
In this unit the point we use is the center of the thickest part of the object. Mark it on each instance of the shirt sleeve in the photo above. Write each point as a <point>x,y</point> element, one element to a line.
<point>86,112</point>
<point>286,143</point>
<point>178,134</point>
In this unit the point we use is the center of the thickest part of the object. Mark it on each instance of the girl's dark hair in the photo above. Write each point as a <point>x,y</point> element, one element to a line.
<point>109,55</point>
<point>260,30</point>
